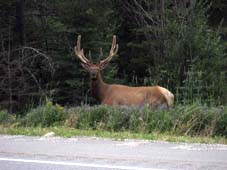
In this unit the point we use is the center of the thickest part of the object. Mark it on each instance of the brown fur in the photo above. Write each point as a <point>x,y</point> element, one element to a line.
<point>114,94</point>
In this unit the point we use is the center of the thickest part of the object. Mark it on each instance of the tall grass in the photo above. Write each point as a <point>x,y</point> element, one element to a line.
<point>45,115</point>
<point>182,120</point>
<point>6,118</point>
<point>193,120</point>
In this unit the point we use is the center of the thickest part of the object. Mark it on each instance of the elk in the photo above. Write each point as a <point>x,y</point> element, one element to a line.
<point>115,94</point>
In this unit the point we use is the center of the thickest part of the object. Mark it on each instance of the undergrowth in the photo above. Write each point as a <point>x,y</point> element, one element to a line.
<point>190,120</point>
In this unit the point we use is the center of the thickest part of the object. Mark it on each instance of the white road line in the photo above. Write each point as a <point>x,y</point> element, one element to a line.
<point>76,164</point>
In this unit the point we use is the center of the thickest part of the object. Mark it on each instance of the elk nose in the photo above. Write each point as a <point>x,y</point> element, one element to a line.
<point>93,76</point>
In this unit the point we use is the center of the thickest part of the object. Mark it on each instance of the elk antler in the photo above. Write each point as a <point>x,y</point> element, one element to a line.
<point>80,52</point>
<point>113,52</point>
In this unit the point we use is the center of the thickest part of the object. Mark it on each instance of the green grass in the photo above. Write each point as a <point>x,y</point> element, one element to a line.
<point>71,132</point>
<point>184,123</point>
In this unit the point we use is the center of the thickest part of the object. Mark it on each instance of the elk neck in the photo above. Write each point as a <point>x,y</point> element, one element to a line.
<point>98,88</point>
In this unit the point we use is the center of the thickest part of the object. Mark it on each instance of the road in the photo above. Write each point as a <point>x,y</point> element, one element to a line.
<point>87,153</point>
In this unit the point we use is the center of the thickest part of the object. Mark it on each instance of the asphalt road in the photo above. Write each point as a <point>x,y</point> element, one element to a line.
<point>83,153</point>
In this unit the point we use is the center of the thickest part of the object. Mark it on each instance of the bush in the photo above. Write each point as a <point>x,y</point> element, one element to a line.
<point>191,120</point>
<point>5,117</point>
<point>90,117</point>
<point>200,54</point>
<point>46,115</point>
<point>71,121</point>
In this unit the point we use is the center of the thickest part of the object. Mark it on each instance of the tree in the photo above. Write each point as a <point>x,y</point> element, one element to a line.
<point>169,41</point>
<point>24,70</point>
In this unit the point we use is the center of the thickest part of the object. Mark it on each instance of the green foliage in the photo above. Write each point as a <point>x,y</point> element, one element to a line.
<point>176,44</point>
<point>96,22</point>
<point>186,120</point>
<point>202,54</point>
<point>180,50</point>
<point>45,115</point>
<point>6,118</point>
<point>194,120</point>
<point>86,119</point>
<point>71,132</point>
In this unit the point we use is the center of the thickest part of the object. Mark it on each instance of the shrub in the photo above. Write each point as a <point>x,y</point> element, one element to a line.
<point>46,115</point>
<point>192,120</point>
<point>200,54</point>
<point>71,121</point>
<point>6,118</point>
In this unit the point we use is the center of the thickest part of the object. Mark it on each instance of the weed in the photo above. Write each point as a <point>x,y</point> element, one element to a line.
<point>194,120</point>
<point>45,115</point>
<point>6,118</point>
<point>186,120</point>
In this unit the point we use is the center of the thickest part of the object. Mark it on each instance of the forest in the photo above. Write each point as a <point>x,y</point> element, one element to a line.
<point>180,45</point>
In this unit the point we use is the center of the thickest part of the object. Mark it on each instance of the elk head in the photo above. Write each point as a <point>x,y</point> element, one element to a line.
<point>88,65</point>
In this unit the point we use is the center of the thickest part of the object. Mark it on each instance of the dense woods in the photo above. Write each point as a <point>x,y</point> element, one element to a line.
<point>180,45</point>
